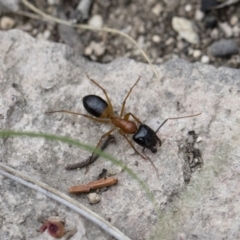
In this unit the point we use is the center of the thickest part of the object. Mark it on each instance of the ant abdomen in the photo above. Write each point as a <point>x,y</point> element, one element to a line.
<point>96,106</point>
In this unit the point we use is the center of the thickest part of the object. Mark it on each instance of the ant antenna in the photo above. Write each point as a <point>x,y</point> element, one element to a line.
<point>175,119</point>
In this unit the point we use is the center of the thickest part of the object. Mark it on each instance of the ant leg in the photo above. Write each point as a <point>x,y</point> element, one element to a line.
<point>175,119</point>
<point>124,102</point>
<point>105,93</point>
<point>131,144</point>
<point>143,156</point>
<point>103,136</point>
<point>84,115</point>
<point>126,117</point>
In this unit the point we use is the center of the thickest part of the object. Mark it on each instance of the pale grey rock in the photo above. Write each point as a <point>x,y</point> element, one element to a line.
<point>38,76</point>
<point>186,29</point>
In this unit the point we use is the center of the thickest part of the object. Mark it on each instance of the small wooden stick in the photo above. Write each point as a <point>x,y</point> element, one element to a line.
<point>85,188</point>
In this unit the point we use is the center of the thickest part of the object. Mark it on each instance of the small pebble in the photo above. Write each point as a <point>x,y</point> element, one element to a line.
<point>199,15</point>
<point>226,28</point>
<point>157,9</point>
<point>234,20</point>
<point>96,21</point>
<point>208,4</point>
<point>34,31</point>
<point>46,34</point>
<point>186,29</point>
<point>205,59</point>
<point>156,38</point>
<point>169,41</point>
<point>95,48</point>
<point>224,48</point>
<point>210,22</point>
<point>93,198</point>
<point>52,2</point>
<point>181,45</point>
<point>236,31</point>
<point>188,8</point>
<point>6,23</point>
<point>199,139</point>
<point>214,34</point>
<point>190,51</point>
<point>197,53</point>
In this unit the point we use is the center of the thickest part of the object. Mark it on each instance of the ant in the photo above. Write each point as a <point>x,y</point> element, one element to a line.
<point>102,112</point>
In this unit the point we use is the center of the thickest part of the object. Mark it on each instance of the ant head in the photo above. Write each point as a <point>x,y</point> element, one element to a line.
<point>146,138</point>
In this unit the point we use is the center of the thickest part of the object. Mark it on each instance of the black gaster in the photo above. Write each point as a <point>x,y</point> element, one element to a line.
<point>94,105</point>
<point>146,138</point>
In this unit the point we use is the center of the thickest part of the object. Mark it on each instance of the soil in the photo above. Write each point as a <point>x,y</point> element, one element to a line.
<point>146,21</point>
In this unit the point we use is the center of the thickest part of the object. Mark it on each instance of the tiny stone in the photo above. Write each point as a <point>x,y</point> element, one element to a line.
<point>186,29</point>
<point>6,23</point>
<point>188,7</point>
<point>197,53</point>
<point>226,29</point>
<point>40,36</point>
<point>199,15</point>
<point>210,22</point>
<point>96,21</point>
<point>97,48</point>
<point>205,59</point>
<point>234,20</point>
<point>196,160</point>
<point>156,38</point>
<point>34,31</point>
<point>199,139</point>
<point>157,9</point>
<point>46,34</point>
<point>236,31</point>
<point>88,50</point>
<point>214,34</point>
<point>51,2</point>
<point>93,198</point>
<point>169,41</point>
<point>181,45</point>
<point>190,51</point>
<point>224,48</point>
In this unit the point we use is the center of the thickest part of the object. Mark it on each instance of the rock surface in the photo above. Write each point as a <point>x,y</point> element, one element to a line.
<point>37,76</point>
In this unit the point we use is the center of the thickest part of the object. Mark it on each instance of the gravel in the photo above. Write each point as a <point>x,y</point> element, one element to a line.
<point>148,22</point>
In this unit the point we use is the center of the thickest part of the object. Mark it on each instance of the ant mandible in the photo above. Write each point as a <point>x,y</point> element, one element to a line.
<point>103,113</point>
